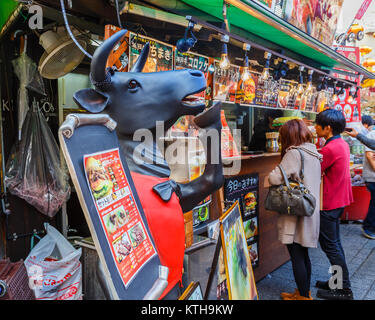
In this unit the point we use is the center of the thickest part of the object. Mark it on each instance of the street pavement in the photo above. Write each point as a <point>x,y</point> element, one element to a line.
<point>360,258</point>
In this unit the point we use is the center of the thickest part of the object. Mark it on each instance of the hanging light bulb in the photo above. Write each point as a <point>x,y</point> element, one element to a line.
<point>266,70</point>
<point>246,74</point>
<point>224,61</point>
<point>350,97</point>
<point>335,97</point>
<point>309,81</point>
<point>300,87</point>
<point>342,90</point>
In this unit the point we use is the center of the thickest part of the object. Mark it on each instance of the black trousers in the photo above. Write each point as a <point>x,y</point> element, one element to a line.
<point>330,242</point>
<point>301,264</point>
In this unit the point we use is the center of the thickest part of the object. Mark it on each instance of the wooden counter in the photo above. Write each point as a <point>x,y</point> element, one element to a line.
<point>272,254</point>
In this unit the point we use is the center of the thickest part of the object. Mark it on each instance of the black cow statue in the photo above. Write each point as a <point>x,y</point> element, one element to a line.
<point>137,100</point>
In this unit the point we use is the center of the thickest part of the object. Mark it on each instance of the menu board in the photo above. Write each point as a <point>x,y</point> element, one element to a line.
<point>130,244</point>
<point>225,83</point>
<point>160,57</point>
<point>245,189</point>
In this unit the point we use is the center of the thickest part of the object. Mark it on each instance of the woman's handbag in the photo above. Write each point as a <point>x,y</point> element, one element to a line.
<point>291,198</point>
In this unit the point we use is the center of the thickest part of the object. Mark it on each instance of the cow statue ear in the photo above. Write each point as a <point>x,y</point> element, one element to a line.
<point>91,100</point>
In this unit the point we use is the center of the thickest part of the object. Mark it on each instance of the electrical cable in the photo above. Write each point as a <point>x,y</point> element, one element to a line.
<point>70,31</point>
<point>118,15</point>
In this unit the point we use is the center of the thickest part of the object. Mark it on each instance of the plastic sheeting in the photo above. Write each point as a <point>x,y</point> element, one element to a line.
<point>27,73</point>
<point>35,171</point>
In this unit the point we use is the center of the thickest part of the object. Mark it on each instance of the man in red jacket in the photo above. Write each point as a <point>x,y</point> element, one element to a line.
<point>337,194</point>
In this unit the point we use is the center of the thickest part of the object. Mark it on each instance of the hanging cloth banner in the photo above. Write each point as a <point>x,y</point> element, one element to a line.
<point>362,10</point>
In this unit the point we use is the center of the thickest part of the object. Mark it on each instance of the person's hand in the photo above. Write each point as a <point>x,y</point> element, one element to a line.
<point>352,133</point>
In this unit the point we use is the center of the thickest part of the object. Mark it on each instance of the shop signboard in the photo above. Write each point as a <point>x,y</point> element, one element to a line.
<point>351,110</point>
<point>190,60</point>
<point>225,83</point>
<point>239,272</point>
<point>245,190</point>
<point>128,239</point>
<point>318,18</point>
<point>160,57</point>
<point>362,10</point>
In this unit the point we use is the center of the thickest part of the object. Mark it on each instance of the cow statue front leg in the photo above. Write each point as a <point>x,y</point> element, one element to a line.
<point>190,194</point>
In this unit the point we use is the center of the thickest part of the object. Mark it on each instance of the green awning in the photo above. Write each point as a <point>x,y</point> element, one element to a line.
<point>257,20</point>
<point>7,7</point>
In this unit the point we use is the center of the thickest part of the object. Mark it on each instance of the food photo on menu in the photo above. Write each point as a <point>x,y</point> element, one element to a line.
<point>100,183</point>
<point>115,220</point>
<point>249,203</point>
<point>137,235</point>
<point>252,247</point>
<point>122,247</point>
<point>251,227</point>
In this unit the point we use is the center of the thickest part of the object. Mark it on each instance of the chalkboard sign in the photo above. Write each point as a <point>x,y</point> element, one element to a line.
<point>245,189</point>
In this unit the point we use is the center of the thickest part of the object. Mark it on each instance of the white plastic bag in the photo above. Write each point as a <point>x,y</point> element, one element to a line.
<point>54,269</point>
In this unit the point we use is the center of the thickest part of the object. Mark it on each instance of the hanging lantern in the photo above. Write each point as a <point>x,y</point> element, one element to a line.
<point>368,63</point>
<point>365,50</point>
<point>368,83</point>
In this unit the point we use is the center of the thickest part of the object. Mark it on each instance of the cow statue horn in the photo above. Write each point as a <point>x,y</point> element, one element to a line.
<point>99,75</point>
<point>142,59</point>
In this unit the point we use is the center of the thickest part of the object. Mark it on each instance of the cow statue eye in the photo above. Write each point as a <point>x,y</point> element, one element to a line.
<point>133,84</point>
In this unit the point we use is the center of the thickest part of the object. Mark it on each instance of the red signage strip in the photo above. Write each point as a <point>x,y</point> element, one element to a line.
<point>362,10</point>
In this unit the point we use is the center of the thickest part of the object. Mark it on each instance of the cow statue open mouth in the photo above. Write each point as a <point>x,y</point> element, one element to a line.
<point>137,100</point>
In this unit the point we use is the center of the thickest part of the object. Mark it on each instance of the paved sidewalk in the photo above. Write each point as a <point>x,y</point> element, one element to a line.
<point>360,257</point>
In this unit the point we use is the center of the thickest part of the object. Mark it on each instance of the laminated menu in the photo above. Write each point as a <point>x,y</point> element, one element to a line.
<point>130,244</point>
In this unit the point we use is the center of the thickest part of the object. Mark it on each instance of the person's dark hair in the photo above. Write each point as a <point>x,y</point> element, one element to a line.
<point>333,118</point>
<point>367,120</point>
<point>294,133</point>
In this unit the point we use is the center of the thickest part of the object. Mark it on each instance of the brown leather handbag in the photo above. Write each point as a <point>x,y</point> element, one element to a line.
<point>291,198</point>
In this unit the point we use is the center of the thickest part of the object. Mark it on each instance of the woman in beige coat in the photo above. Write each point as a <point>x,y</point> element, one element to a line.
<point>299,233</point>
